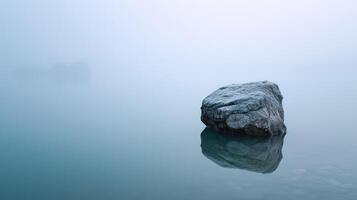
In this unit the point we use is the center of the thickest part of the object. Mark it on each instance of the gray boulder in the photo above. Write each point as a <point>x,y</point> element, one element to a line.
<point>250,108</point>
<point>256,154</point>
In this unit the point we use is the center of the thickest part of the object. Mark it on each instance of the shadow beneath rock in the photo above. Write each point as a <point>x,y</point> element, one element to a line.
<point>257,154</point>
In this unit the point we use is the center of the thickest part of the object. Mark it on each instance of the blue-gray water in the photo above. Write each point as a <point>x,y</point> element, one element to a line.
<point>101,99</point>
<point>142,140</point>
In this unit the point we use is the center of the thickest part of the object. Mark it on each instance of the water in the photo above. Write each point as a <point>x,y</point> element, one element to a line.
<point>143,139</point>
<point>101,99</point>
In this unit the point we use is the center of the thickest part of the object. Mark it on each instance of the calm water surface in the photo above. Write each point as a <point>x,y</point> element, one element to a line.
<point>100,99</point>
<point>142,139</point>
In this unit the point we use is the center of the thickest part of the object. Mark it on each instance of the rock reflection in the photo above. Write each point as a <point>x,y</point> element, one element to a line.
<point>257,154</point>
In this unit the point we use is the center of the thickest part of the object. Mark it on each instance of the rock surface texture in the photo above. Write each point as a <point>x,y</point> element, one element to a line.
<point>250,108</point>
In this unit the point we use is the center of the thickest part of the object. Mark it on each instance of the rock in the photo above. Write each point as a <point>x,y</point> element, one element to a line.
<point>251,108</point>
<point>257,154</point>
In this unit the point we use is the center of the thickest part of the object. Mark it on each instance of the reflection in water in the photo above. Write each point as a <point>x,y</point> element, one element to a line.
<point>257,154</point>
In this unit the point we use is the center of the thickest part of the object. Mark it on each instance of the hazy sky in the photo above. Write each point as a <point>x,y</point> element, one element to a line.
<point>202,35</point>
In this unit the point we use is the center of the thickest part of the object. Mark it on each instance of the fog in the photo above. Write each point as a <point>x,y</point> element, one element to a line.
<point>170,51</point>
<point>100,99</point>
<point>139,39</point>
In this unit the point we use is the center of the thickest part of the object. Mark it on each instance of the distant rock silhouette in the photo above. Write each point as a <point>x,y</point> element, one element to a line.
<point>74,74</point>
<point>257,154</point>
